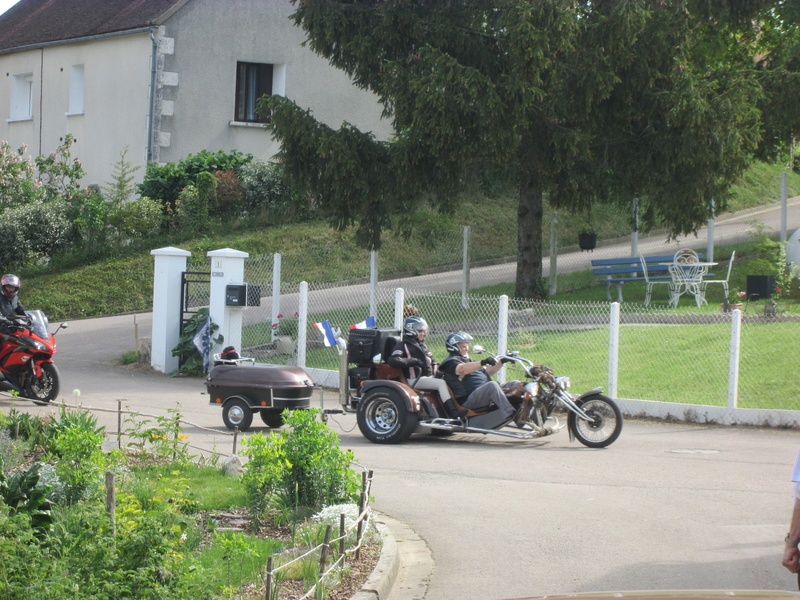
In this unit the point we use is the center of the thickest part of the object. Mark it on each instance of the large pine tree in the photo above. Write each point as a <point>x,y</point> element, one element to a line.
<point>584,100</point>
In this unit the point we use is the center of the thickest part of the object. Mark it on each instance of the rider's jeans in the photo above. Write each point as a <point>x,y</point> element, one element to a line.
<point>480,400</point>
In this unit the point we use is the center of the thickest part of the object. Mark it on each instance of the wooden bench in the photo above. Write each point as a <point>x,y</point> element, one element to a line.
<point>650,269</point>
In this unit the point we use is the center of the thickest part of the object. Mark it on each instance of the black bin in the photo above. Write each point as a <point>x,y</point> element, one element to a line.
<point>759,287</point>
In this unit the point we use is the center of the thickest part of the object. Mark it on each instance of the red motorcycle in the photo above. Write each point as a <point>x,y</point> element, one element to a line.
<point>26,358</point>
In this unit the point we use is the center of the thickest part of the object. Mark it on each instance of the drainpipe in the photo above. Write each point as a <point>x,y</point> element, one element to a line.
<point>150,117</point>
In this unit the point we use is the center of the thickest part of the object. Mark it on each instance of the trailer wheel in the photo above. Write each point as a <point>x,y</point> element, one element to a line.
<point>236,413</point>
<point>272,419</point>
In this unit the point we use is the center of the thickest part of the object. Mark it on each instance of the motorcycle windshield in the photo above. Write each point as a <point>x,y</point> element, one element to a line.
<point>39,323</point>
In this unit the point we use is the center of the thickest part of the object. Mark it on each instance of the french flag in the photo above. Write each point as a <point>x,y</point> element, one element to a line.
<point>366,324</point>
<point>327,333</point>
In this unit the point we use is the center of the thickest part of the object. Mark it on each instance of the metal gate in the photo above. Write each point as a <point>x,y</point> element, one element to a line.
<point>195,292</point>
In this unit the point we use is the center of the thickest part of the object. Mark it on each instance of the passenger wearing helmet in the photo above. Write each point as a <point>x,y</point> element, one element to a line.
<point>416,361</point>
<point>10,306</point>
<point>472,384</point>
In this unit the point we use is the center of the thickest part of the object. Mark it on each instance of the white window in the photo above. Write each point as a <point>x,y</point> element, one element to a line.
<point>21,97</point>
<point>75,90</point>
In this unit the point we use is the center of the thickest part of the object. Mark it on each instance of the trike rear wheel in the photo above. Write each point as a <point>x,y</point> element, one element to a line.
<point>383,417</point>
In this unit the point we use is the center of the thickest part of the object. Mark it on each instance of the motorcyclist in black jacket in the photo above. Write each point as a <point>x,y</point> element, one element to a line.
<point>413,357</point>
<point>10,306</point>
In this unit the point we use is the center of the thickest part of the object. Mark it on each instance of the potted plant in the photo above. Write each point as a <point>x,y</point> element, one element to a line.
<point>587,237</point>
<point>733,300</point>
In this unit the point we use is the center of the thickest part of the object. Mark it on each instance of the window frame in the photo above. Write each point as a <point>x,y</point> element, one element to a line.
<point>253,80</point>
<point>21,104</point>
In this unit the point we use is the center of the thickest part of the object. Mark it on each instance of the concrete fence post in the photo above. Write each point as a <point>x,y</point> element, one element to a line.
<point>502,334</point>
<point>613,349</point>
<point>399,303</point>
<point>733,361</point>
<point>170,264</point>
<point>227,268</point>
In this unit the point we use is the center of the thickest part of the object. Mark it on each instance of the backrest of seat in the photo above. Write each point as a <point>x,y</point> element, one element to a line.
<point>730,266</point>
<point>391,342</point>
<point>644,267</point>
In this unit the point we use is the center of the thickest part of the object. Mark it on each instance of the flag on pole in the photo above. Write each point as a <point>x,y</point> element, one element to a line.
<point>368,322</point>
<point>329,338</point>
<point>202,341</point>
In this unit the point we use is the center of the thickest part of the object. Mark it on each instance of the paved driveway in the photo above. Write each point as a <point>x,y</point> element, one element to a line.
<point>666,506</point>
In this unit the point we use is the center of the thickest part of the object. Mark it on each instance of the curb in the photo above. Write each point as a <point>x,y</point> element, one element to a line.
<point>404,567</point>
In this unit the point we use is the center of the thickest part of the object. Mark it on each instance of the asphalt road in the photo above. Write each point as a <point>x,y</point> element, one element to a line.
<point>666,506</point>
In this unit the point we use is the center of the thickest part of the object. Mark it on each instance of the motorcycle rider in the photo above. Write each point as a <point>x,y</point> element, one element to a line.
<point>413,357</point>
<point>10,306</point>
<point>472,384</point>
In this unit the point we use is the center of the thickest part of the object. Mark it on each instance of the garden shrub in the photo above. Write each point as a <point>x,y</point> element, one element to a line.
<point>165,182</point>
<point>32,233</point>
<point>302,466</point>
<point>134,220</point>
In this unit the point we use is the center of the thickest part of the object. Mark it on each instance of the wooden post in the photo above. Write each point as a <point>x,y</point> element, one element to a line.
<point>323,553</point>
<point>341,535</point>
<point>362,502</point>
<point>119,424</point>
<point>15,434</point>
<point>111,502</point>
<point>235,436</point>
<point>269,578</point>
<point>175,441</point>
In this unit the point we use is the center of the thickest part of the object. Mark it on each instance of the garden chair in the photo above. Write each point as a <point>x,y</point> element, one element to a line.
<point>724,282</point>
<point>651,282</point>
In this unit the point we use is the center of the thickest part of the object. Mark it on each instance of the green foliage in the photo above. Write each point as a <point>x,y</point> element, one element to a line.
<point>161,436</point>
<point>165,182</point>
<point>267,194</point>
<point>191,359</point>
<point>76,441</point>
<point>21,493</point>
<point>134,220</point>
<point>588,103</point>
<point>302,466</point>
<point>32,233</point>
<point>87,212</point>
<point>121,189</point>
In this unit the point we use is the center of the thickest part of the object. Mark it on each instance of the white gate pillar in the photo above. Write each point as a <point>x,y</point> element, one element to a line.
<point>170,264</point>
<point>227,267</point>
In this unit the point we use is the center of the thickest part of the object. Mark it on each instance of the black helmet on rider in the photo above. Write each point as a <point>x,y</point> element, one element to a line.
<point>413,326</point>
<point>10,285</point>
<point>452,341</point>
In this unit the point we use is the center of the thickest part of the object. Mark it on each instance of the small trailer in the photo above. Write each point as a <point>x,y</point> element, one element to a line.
<point>243,387</point>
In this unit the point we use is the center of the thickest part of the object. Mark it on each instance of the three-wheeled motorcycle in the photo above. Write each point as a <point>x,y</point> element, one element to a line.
<point>389,410</point>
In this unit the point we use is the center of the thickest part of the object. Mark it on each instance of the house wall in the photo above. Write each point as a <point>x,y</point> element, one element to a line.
<point>198,48</point>
<point>207,46</point>
<point>116,101</point>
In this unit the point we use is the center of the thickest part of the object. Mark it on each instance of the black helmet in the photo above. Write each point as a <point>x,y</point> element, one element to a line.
<point>452,340</point>
<point>12,281</point>
<point>412,326</point>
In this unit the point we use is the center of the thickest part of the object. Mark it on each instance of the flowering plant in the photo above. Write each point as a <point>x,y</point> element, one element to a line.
<point>286,326</point>
<point>736,296</point>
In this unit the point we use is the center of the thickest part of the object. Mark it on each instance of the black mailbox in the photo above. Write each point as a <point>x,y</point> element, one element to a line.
<point>242,294</point>
<point>236,295</point>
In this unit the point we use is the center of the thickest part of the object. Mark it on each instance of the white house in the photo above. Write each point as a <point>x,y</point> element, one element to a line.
<point>164,78</point>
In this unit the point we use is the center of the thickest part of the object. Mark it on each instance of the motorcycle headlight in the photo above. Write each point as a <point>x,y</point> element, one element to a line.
<point>532,389</point>
<point>563,382</point>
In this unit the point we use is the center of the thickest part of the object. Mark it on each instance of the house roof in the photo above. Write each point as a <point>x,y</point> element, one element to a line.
<point>34,22</point>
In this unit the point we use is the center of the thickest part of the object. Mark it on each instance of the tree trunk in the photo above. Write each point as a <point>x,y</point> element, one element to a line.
<point>529,243</point>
